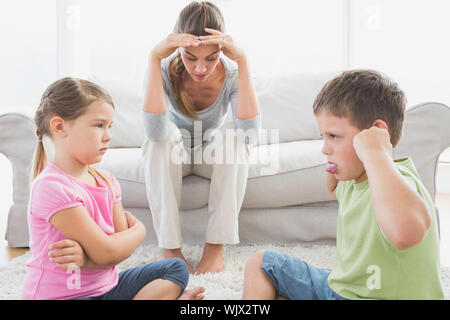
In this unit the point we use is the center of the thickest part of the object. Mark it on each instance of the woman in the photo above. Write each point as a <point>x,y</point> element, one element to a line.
<point>190,85</point>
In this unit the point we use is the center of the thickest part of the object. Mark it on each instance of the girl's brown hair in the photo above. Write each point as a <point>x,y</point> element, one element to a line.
<point>193,19</point>
<point>67,98</point>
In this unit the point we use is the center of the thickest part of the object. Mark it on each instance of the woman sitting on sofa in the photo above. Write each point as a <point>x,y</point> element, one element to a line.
<point>190,86</point>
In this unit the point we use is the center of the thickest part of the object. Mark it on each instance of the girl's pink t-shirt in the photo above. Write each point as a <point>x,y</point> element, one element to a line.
<point>52,191</point>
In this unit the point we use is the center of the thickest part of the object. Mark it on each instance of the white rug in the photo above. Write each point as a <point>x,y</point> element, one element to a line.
<point>226,285</point>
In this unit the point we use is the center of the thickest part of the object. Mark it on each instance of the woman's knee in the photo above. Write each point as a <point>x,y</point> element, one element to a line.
<point>172,136</point>
<point>171,148</point>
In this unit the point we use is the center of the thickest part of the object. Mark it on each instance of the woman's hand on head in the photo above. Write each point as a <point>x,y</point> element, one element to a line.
<point>173,41</point>
<point>229,46</point>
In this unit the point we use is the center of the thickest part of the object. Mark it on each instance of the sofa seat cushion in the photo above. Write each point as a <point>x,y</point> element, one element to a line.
<point>126,164</point>
<point>295,177</point>
<point>280,175</point>
<point>285,102</point>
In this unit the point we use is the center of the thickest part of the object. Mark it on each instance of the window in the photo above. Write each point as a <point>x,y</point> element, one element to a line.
<point>288,36</point>
<point>27,51</point>
<point>407,40</point>
<point>114,38</point>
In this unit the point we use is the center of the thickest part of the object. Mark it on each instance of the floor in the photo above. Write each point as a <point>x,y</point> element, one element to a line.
<point>6,253</point>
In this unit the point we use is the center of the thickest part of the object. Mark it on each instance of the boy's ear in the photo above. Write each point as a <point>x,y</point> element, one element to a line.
<point>58,127</point>
<point>380,124</point>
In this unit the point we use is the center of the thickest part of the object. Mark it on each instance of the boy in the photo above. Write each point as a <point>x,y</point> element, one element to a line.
<point>387,244</point>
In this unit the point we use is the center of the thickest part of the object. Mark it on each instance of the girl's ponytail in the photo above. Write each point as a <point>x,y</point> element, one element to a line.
<point>39,159</point>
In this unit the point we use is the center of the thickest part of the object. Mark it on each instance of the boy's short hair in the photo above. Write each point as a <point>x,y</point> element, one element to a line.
<point>363,96</point>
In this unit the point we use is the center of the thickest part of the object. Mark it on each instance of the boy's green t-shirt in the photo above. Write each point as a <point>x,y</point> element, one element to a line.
<point>368,265</point>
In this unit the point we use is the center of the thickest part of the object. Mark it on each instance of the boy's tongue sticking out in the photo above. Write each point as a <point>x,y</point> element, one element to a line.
<point>331,168</point>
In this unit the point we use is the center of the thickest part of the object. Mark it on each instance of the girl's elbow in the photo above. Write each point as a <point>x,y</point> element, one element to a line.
<point>141,234</point>
<point>106,257</point>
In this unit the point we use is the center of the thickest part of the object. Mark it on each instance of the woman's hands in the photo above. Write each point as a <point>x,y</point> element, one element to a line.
<point>229,46</point>
<point>173,41</point>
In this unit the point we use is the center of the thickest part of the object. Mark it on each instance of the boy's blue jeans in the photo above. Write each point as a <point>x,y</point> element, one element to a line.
<point>295,279</point>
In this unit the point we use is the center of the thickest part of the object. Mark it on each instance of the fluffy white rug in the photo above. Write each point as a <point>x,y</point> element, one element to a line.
<point>226,285</point>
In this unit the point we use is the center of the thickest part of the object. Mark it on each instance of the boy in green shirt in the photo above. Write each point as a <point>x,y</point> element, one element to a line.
<point>387,244</point>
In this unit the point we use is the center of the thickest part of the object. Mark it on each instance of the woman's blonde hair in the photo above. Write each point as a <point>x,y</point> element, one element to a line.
<point>67,98</point>
<point>193,19</point>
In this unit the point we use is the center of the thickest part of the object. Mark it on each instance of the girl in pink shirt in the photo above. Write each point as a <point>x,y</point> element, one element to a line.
<point>78,228</point>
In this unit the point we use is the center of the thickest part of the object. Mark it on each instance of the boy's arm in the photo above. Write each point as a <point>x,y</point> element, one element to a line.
<point>332,183</point>
<point>400,212</point>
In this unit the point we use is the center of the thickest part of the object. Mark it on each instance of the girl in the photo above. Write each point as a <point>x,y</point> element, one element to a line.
<point>78,228</point>
<point>189,88</point>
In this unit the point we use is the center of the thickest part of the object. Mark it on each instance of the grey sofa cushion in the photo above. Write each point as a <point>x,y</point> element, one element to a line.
<point>294,175</point>
<point>285,102</point>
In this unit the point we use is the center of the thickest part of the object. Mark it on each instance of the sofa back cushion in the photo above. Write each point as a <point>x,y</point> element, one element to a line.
<point>285,102</point>
<point>127,95</point>
<point>286,106</point>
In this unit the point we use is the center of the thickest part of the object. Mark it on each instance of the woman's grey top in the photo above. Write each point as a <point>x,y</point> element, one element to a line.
<point>211,119</point>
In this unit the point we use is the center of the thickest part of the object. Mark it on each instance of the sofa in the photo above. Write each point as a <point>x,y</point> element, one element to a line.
<point>286,199</point>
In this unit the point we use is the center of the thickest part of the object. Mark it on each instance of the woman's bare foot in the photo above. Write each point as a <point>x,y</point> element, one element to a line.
<point>193,294</point>
<point>212,259</point>
<point>176,253</point>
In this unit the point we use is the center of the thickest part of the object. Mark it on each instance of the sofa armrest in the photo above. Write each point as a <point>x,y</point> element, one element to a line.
<point>17,142</point>
<point>426,134</point>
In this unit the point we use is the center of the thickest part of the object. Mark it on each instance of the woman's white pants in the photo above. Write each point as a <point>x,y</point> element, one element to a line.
<point>225,162</point>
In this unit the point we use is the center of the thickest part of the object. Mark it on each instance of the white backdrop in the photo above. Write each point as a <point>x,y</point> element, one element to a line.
<point>47,39</point>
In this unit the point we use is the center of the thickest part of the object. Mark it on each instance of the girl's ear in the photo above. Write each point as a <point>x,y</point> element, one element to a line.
<point>58,127</point>
<point>380,124</point>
